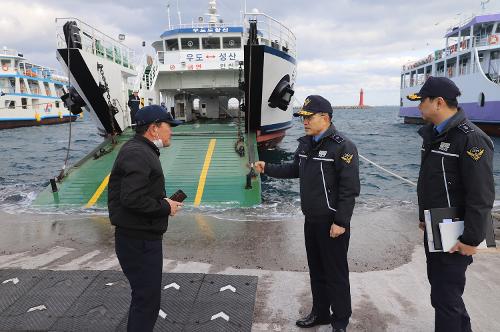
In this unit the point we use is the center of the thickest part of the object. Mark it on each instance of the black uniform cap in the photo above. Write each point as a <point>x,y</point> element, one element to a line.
<point>314,104</point>
<point>436,87</point>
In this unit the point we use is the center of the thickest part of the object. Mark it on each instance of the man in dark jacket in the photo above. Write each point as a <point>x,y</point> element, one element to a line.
<point>328,167</point>
<point>134,103</point>
<point>456,171</point>
<point>139,208</point>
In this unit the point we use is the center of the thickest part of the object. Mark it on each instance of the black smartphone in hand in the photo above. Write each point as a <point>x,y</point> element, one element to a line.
<point>178,196</point>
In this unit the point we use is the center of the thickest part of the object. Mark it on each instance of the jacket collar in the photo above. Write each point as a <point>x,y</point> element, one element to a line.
<point>144,140</point>
<point>427,131</point>
<point>331,131</point>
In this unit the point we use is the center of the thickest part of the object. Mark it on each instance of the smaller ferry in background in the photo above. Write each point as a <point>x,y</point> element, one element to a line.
<point>30,94</point>
<point>471,59</point>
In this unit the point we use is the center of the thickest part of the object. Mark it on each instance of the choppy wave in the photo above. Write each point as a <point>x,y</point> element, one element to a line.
<point>36,154</point>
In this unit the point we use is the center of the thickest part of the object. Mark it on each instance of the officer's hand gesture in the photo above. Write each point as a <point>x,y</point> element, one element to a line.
<point>259,166</point>
<point>463,249</point>
<point>174,206</point>
<point>336,230</point>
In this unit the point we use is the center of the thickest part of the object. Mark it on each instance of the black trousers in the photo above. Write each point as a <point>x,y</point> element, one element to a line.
<point>142,264</point>
<point>446,274</point>
<point>328,269</point>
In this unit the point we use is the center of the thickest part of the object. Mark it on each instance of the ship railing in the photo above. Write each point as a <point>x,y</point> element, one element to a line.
<point>202,25</point>
<point>97,43</point>
<point>460,23</point>
<point>274,33</point>
<point>148,72</point>
<point>36,71</point>
<point>10,52</point>
<point>487,40</point>
<point>7,89</point>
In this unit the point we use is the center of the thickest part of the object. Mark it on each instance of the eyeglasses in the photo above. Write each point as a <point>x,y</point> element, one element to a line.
<point>309,117</point>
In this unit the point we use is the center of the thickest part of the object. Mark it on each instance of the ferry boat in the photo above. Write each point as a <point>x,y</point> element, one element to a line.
<point>195,72</point>
<point>471,59</point>
<point>30,94</point>
<point>199,68</point>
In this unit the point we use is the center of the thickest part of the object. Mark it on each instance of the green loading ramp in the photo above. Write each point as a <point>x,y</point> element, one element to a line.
<point>201,161</point>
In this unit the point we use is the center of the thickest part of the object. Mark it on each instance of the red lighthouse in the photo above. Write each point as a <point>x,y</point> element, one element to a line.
<point>361,103</point>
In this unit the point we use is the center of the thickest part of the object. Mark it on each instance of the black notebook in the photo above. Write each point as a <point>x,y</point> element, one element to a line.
<point>437,216</point>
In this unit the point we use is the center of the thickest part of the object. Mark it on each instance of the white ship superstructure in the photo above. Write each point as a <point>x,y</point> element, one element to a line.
<point>198,70</point>
<point>30,94</point>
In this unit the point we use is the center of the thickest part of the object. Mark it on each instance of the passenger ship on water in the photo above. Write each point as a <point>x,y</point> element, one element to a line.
<point>471,58</point>
<point>30,94</point>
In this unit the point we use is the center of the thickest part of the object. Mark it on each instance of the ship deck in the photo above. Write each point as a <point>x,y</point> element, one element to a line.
<point>201,161</point>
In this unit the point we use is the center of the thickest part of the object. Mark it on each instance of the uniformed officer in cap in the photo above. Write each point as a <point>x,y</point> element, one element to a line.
<point>456,171</point>
<point>327,164</point>
<point>134,104</point>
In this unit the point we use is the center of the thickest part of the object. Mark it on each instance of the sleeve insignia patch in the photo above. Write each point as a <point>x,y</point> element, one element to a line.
<point>465,127</point>
<point>339,139</point>
<point>347,158</point>
<point>475,153</point>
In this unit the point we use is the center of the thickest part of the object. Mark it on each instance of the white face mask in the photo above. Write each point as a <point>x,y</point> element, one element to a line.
<point>158,142</point>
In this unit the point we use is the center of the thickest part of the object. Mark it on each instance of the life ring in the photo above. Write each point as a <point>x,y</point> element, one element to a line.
<point>5,67</point>
<point>493,39</point>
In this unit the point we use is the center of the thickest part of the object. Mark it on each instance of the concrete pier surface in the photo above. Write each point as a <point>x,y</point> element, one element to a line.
<point>389,286</point>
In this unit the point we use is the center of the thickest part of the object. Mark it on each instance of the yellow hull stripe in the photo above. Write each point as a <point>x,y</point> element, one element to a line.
<point>98,192</point>
<point>204,171</point>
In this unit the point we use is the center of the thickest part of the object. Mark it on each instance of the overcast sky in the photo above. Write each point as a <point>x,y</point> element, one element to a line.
<point>343,45</point>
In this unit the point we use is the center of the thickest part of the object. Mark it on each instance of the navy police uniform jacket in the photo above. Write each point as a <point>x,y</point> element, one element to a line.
<point>136,191</point>
<point>329,176</point>
<point>457,171</point>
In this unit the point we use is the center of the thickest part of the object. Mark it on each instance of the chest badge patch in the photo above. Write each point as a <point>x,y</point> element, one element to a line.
<point>475,153</point>
<point>347,157</point>
<point>322,154</point>
<point>444,146</point>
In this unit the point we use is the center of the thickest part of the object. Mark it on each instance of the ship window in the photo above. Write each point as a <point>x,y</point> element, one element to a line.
<point>24,103</point>
<point>498,28</point>
<point>210,43</point>
<point>57,104</point>
<point>5,65</point>
<point>190,43</point>
<point>231,42</point>
<point>495,55</point>
<point>172,44</point>
<point>11,104</point>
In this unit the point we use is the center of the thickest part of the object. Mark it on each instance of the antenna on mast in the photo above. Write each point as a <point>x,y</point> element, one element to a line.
<point>168,15</point>
<point>483,4</point>
<point>179,13</point>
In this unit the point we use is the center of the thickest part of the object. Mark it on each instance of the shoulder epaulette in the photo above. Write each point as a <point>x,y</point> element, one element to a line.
<point>465,127</point>
<point>337,138</point>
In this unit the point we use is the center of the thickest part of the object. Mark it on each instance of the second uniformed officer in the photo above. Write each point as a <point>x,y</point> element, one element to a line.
<point>456,171</point>
<point>327,164</point>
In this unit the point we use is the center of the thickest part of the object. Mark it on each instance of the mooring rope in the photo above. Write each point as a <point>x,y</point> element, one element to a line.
<point>387,171</point>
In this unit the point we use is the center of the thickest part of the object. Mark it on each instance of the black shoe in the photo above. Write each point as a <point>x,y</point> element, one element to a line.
<point>338,330</point>
<point>312,320</point>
